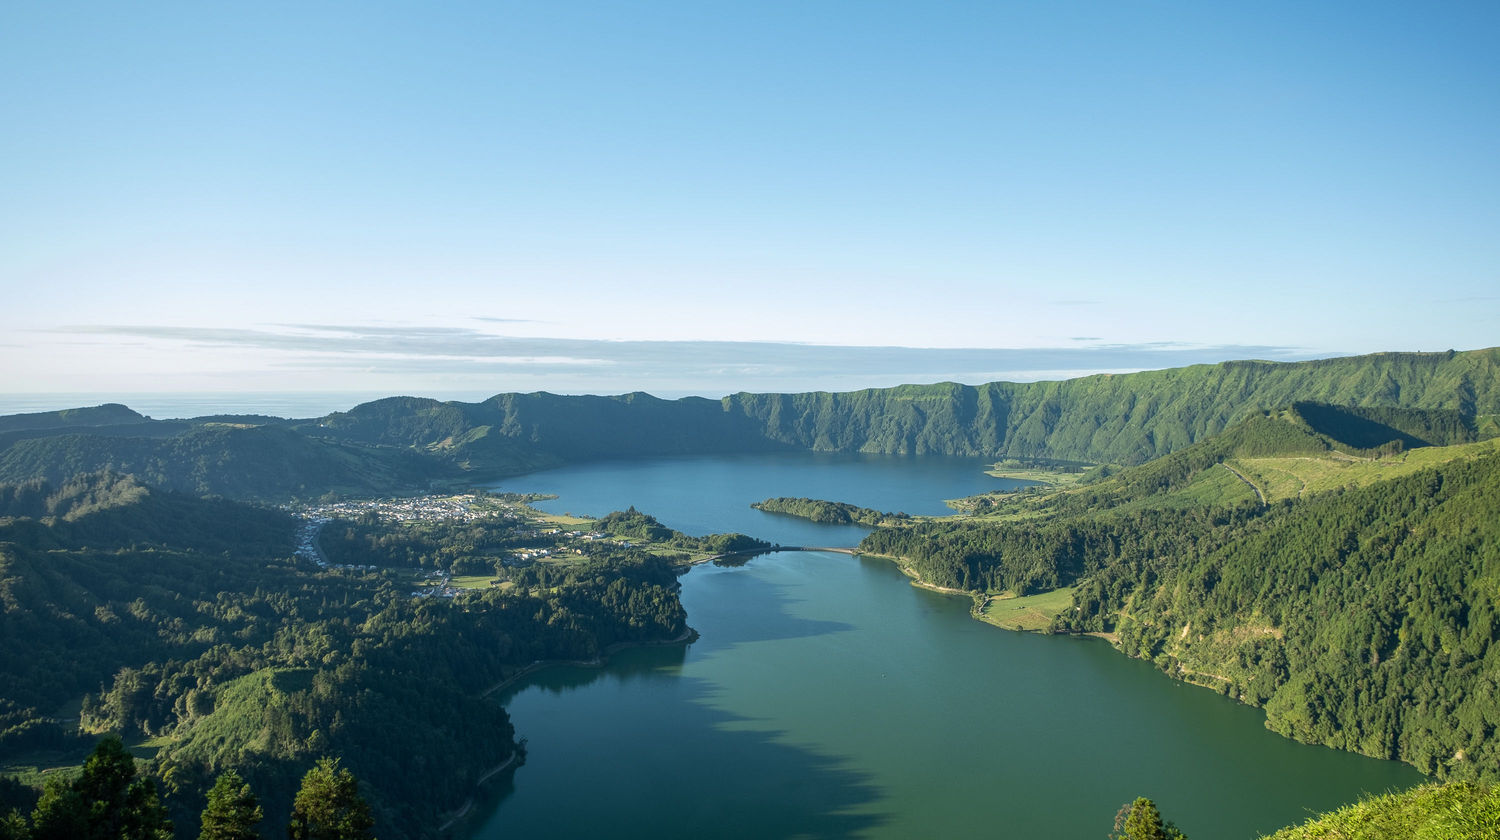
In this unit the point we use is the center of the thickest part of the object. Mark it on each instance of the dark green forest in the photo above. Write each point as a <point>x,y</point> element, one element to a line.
<point>817,510</point>
<point>632,523</point>
<point>187,621</point>
<point>1362,618</point>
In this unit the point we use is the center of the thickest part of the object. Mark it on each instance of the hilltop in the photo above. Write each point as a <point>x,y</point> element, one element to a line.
<point>413,443</point>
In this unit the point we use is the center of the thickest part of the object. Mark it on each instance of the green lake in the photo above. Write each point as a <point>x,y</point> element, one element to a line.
<point>826,697</point>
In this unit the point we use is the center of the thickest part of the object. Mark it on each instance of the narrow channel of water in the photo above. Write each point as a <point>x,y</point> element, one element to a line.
<point>826,697</point>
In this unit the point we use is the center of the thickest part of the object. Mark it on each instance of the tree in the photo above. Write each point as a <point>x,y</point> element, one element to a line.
<point>13,826</point>
<point>105,802</point>
<point>61,814</point>
<point>1139,820</point>
<point>328,806</point>
<point>232,811</point>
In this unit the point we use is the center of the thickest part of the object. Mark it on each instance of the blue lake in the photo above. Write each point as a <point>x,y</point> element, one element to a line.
<point>826,697</point>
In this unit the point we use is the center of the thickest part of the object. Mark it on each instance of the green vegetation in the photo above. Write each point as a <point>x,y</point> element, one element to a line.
<point>1140,820</point>
<point>1362,620</point>
<point>1360,617</point>
<point>408,443</point>
<point>328,806</point>
<point>1318,539</point>
<point>1047,472</point>
<point>1030,612</point>
<point>836,513</point>
<point>267,462</point>
<point>233,812</point>
<point>106,800</point>
<point>186,621</point>
<point>1291,477</point>
<point>636,525</point>
<point>1123,419</point>
<point>1456,811</point>
<point>469,548</point>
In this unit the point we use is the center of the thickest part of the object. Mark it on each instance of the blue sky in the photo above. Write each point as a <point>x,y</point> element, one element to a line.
<point>709,197</point>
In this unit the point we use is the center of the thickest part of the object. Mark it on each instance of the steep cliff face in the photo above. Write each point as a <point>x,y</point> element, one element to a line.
<point>1127,418</point>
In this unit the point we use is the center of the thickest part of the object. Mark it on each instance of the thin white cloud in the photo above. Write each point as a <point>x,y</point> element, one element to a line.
<point>416,351</point>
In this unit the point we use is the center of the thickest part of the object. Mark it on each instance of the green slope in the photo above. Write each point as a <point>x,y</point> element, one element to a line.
<point>1128,418</point>
<point>1359,611</point>
<point>185,620</point>
<point>1363,619</point>
<point>1457,811</point>
<point>1119,418</point>
<point>254,462</point>
<point>109,414</point>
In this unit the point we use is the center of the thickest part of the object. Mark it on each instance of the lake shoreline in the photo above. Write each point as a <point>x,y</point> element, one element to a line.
<point>687,636</point>
<point>980,599</point>
<point>468,805</point>
<point>809,659</point>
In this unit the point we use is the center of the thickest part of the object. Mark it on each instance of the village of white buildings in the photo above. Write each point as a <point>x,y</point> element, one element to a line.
<point>465,507</point>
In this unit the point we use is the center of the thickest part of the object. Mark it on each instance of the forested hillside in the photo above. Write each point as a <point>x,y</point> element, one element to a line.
<point>1359,611</point>
<point>243,462</point>
<point>409,443</point>
<point>833,513</point>
<point>109,414</point>
<point>188,621</point>
<point>1363,620</point>
<point>1126,418</point>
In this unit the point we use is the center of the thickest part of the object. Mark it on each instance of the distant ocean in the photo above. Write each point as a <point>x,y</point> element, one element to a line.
<point>163,406</point>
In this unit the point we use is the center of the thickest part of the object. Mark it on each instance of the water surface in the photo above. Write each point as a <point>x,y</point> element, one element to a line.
<point>826,697</point>
<point>712,495</point>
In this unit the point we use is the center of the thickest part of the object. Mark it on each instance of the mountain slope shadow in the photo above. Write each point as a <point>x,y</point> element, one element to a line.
<point>637,751</point>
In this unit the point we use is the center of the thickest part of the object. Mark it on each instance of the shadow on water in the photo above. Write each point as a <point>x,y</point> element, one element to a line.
<point>757,613</point>
<point>642,665</point>
<point>707,772</point>
<point>751,609</point>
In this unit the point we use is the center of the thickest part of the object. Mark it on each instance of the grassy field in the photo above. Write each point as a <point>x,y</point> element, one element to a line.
<point>562,520</point>
<point>1051,476</point>
<point>32,769</point>
<point>1032,612</point>
<point>1291,477</point>
<point>418,579</point>
<point>471,581</point>
<point>1215,486</point>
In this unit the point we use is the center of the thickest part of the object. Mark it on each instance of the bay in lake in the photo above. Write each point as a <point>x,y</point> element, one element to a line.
<point>826,697</point>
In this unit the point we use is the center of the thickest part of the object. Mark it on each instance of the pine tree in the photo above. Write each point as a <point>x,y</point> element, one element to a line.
<point>105,802</point>
<point>328,806</point>
<point>232,811</point>
<point>1140,820</point>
